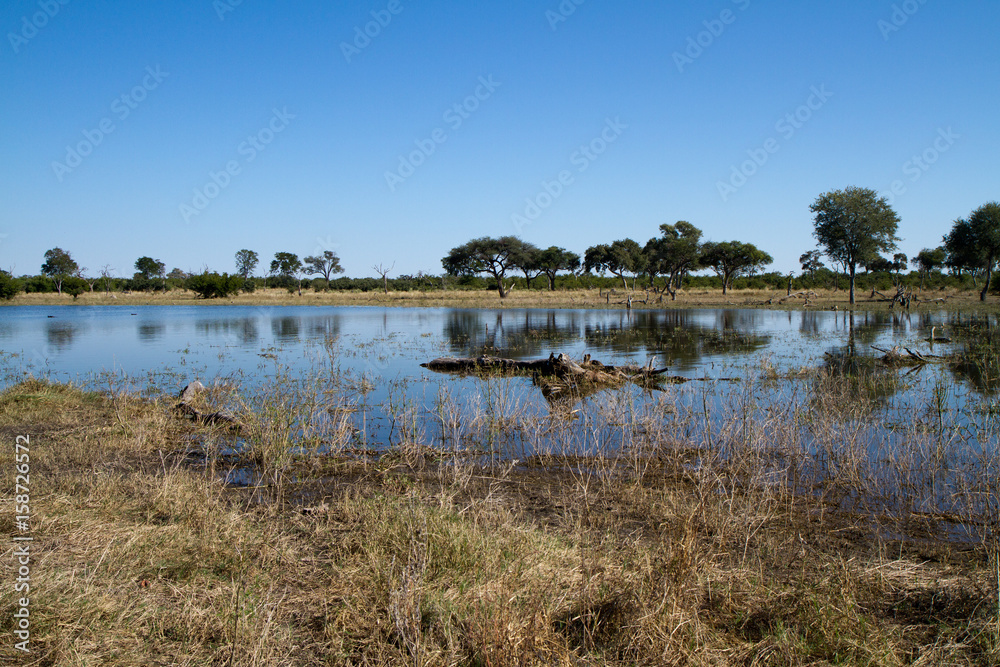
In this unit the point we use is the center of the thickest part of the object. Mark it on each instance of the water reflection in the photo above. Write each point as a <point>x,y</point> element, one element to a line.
<point>677,338</point>
<point>151,331</point>
<point>515,334</point>
<point>60,334</point>
<point>681,338</point>
<point>286,329</point>
<point>977,357</point>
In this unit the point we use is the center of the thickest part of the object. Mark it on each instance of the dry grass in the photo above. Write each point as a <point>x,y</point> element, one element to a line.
<point>580,298</point>
<point>673,547</point>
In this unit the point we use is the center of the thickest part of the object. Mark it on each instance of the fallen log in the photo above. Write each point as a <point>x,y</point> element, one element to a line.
<point>805,294</point>
<point>556,366</point>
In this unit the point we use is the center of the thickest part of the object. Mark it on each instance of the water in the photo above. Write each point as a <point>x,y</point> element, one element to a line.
<point>159,349</point>
<point>356,371</point>
<point>166,345</point>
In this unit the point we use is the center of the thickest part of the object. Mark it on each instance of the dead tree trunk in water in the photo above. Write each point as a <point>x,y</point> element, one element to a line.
<point>561,366</point>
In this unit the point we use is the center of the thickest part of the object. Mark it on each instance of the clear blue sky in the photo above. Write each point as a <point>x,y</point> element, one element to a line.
<point>310,128</point>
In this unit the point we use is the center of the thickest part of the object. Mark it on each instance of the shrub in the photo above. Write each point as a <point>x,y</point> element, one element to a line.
<point>215,286</point>
<point>9,286</point>
<point>75,286</point>
<point>39,284</point>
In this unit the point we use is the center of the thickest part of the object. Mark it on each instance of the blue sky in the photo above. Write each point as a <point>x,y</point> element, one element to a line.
<point>189,129</point>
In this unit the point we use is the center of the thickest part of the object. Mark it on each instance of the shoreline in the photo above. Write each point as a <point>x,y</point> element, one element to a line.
<point>948,299</point>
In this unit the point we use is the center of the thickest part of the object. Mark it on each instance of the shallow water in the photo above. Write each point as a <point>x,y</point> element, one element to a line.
<point>921,439</point>
<point>79,343</point>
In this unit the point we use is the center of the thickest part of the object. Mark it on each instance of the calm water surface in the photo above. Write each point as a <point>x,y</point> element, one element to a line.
<point>161,348</point>
<point>80,343</point>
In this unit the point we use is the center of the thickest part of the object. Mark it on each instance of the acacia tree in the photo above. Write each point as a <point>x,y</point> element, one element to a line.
<point>811,262</point>
<point>854,225</point>
<point>928,260</point>
<point>150,268</point>
<point>730,259</point>
<point>59,266</point>
<point>975,243</point>
<point>326,265</point>
<point>528,260</point>
<point>485,255</point>
<point>675,252</point>
<point>554,259</point>
<point>286,265</point>
<point>620,258</point>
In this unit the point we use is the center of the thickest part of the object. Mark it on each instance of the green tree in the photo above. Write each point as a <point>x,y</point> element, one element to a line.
<point>620,258</point>
<point>485,255</point>
<point>811,262</point>
<point>326,265</point>
<point>149,268</point>
<point>675,252</point>
<point>878,264</point>
<point>9,286</point>
<point>731,259</point>
<point>214,286</point>
<point>75,286</point>
<point>974,243</point>
<point>554,259</point>
<point>854,225</point>
<point>59,266</point>
<point>899,261</point>
<point>528,260</point>
<point>246,262</point>
<point>928,260</point>
<point>287,266</point>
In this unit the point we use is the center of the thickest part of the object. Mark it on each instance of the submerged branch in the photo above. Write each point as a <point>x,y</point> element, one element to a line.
<point>559,367</point>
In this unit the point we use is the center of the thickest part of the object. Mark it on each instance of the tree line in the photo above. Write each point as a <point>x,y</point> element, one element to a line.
<point>854,228</point>
<point>62,274</point>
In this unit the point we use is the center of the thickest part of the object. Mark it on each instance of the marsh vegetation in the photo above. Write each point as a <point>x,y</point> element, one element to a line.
<point>776,512</point>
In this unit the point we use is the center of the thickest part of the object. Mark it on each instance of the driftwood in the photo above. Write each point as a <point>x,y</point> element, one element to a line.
<point>894,357</point>
<point>184,407</point>
<point>556,366</point>
<point>804,295</point>
<point>561,380</point>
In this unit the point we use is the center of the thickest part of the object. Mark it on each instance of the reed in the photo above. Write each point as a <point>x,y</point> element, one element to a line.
<point>759,522</point>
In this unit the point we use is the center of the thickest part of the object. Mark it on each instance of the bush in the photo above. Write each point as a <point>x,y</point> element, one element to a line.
<point>75,286</point>
<point>140,283</point>
<point>39,285</point>
<point>215,286</point>
<point>9,286</point>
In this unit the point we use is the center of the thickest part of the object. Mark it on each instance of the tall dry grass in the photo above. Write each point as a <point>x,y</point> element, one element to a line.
<point>706,524</point>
